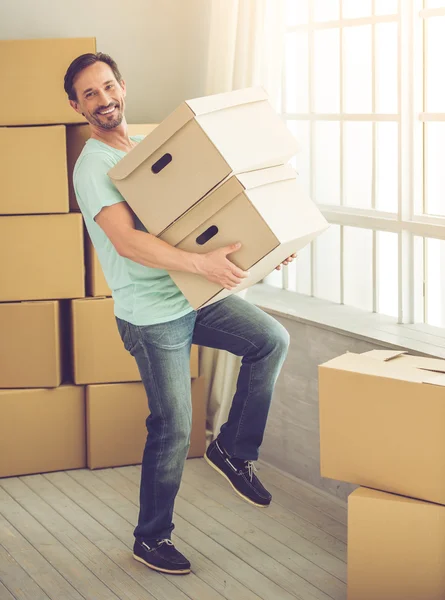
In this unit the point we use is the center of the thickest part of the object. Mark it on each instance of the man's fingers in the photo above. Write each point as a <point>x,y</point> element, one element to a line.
<point>237,272</point>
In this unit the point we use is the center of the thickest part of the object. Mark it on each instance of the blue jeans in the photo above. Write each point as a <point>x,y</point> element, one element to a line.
<point>162,353</point>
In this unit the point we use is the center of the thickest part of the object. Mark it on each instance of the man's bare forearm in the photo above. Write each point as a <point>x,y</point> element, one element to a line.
<point>150,251</point>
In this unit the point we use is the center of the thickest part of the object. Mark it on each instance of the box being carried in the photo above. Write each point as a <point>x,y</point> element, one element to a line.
<point>382,422</point>
<point>266,210</point>
<point>195,148</point>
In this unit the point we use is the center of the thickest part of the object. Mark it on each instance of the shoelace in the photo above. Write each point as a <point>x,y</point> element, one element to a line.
<point>166,541</point>
<point>251,468</point>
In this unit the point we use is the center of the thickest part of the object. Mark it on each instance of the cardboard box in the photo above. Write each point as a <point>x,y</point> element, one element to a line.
<point>195,148</point>
<point>267,211</point>
<point>30,345</point>
<point>42,430</point>
<point>395,547</point>
<point>33,171</point>
<point>382,422</point>
<point>42,257</point>
<point>32,80</point>
<point>76,136</point>
<point>99,355</point>
<point>96,284</point>
<point>116,430</point>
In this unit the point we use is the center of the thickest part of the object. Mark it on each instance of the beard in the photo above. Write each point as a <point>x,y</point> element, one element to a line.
<point>104,122</point>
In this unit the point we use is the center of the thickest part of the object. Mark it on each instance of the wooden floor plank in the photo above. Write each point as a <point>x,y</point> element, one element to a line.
<point>290,559</point>
<point>326,503</point>
<point>294,522</point>
<point>86,537</point>
<point>252,579</point>
<point>124,497</point>
<point>17,580</point>
<point>35,565</point>
<point>201,566</point>
<point>5,594</point>
<point>69,536</point>
<point>80,577</point>
<point>192,488</point>
<point>201,476</point>
<point>246,552</point>
<point>311,515</point>
<point>191,585</point>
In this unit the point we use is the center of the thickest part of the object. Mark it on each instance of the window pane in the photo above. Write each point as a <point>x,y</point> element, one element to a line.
<point>387,172</point>
<point>435,282</point>
<point>301,162</point>
<point>327,162</point>
<point>296,12</point>
<point>327,264</point>
<point>327,71</point>
<point>435,93</point>
<point>419,277</point>
<point>296,73</point>
<point>435,171</point>
<point>299,272</point>
<point>386,7</point>
<point>387,273</point>
<point>386,67</point>
<point>357,265</point>
<point>356,8</point>
<point>357,164</point>
<point>357,69</point>
<point>326,10</point>
<point>434,3</point>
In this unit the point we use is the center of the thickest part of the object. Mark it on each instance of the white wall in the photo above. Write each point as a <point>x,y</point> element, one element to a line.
<point>160,46</point>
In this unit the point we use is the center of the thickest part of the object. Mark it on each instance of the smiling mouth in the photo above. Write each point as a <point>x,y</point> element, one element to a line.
<point>108,111</point>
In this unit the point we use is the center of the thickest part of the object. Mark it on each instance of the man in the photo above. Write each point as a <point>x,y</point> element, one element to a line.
<point>158,325</point>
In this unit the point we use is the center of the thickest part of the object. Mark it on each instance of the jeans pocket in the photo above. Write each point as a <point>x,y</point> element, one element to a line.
<point>128,336</point>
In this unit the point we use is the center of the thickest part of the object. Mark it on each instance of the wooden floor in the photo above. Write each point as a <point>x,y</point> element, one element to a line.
<point>69,535</point>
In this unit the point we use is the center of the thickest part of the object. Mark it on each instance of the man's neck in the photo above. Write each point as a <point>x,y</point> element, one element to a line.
<point>116,138</point>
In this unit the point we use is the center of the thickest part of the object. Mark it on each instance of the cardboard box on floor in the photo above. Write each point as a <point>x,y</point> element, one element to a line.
<point>267,211</point>
<point>76,136</point>
<point>32,80</point>
<point>42,257</point>
<point>33,171</point>
<point>96,284</point>
<point>30,345</point>
<point>195,148</point>
<point>382,422</point>
<point>116,430</point>
<point>42,430</point>
<point>395,547</point>
<point>98,354</point>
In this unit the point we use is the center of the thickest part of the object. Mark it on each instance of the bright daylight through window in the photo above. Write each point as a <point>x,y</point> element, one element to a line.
<point>364,93</point>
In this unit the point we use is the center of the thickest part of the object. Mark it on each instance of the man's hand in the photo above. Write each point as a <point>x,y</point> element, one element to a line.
<point>216,267</point>
<point>288,260</point>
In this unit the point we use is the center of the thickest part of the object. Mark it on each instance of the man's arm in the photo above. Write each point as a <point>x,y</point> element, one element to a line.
<point>148,250</point>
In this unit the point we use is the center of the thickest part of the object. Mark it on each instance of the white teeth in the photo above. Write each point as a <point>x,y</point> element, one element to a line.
<point>107,111</point>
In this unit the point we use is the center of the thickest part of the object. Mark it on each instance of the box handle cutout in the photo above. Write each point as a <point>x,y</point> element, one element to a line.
<point>161,163</point>
<point>207,235</point>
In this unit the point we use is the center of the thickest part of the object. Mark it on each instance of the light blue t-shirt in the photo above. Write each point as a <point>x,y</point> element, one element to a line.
<point>142,295</point>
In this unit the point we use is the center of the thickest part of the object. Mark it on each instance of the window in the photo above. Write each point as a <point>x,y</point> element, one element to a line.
<point>364,93</point>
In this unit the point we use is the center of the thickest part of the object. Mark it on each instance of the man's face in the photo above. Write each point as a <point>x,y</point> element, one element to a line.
<point>100,98</point>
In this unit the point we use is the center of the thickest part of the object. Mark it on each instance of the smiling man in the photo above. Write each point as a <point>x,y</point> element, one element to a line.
<point>158,325</point>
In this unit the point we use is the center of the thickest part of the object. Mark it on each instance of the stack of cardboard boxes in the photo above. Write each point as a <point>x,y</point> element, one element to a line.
<point>382,426</point>
<point>70,395</point>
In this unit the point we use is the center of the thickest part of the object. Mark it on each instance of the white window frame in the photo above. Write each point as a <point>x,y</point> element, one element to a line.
<point>406,222</point>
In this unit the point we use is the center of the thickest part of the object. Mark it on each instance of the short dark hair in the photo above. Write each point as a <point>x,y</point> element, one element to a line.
<point>82,62</point>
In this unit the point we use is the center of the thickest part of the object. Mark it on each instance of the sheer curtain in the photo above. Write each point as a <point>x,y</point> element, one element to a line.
<point>246,43</point>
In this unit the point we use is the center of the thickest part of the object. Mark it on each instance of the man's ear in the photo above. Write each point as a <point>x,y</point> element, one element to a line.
<point>124,87</point>
<point>76,107</point>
